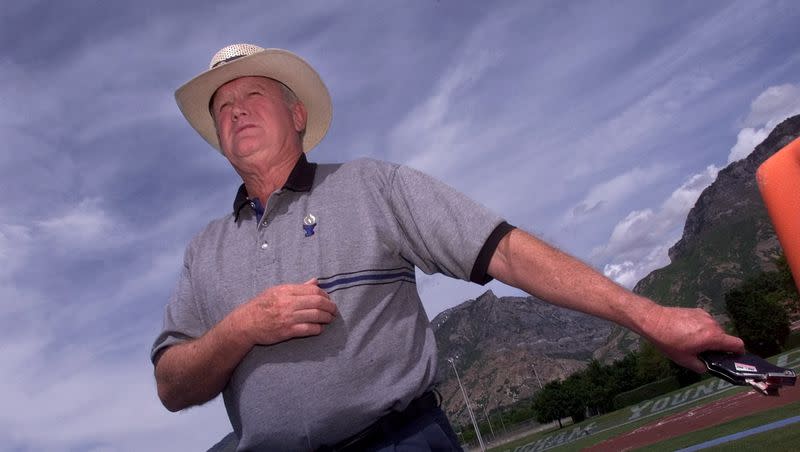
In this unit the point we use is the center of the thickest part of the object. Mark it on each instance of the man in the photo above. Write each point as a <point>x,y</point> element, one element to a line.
<point>300,307</point>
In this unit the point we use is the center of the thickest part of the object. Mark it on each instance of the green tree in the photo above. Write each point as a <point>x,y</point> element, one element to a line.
<point>604,382</point>
<point>520,411</point>
<point>624,374</point>
<point>552,403</point>
<point>599,385</point>
<point>651,365</point>
<point>684,376</point>
<point>576,394</point>
<point>758,313</point>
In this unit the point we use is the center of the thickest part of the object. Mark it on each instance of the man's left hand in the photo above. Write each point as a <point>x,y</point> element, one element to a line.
<point>683,333</point>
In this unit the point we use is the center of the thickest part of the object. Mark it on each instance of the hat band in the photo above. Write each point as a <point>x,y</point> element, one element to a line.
<point>227,60</point>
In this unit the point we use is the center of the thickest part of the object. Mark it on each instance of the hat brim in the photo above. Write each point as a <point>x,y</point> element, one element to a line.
<point>291,70</point>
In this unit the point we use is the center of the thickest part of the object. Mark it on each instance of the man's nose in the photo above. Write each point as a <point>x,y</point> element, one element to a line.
<point>238,110</point>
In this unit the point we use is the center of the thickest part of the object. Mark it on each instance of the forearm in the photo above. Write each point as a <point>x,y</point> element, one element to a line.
<point>528,263</point>
<point>195,372</point>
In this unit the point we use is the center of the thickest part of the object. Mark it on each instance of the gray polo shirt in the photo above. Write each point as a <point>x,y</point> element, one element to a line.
<point>360,228</point>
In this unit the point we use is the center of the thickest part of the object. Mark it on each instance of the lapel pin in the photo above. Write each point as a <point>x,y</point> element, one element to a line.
<point>309,222</point>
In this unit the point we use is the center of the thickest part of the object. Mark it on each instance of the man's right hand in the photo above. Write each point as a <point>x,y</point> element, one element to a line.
<point>284,312</point>
<point>195,372</point>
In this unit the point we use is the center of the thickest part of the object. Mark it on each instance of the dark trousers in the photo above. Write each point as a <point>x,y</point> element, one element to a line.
<point>423,426</point>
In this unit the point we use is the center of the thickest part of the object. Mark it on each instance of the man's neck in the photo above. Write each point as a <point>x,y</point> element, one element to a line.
<point>262,182</point>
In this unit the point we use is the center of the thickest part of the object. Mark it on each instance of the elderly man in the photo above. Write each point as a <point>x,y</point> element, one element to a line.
<point>300,306</point>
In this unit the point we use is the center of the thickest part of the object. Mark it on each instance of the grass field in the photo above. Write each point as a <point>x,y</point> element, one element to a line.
<point>785,438</point>
<point>615,418</point>
<point>616,423</point>
<point>781,439</point>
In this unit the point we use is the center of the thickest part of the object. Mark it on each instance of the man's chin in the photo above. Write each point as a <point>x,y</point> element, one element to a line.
<point>245,152</point>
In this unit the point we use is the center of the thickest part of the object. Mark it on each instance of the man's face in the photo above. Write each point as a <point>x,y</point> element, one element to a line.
<point>253,118</point>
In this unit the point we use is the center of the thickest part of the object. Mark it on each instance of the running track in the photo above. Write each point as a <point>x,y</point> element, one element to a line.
<point>698,418</point>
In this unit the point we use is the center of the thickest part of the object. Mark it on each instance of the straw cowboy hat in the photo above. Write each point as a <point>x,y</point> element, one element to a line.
<point>241,60</point>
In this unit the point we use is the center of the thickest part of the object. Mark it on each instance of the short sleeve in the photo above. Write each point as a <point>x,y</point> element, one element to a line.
<point>183,320</point>
<point>444,231</point>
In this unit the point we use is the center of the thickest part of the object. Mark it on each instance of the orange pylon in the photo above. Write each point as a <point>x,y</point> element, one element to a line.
<point>779,181</point>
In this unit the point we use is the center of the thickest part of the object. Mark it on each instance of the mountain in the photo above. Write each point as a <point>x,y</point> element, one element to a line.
<point>727,238</point>
<point>502,348</point>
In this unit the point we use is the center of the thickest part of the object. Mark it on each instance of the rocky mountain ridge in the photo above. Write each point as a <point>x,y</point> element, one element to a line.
<point>727,238</point>
<point>734,192</point>
<point>505,347</point>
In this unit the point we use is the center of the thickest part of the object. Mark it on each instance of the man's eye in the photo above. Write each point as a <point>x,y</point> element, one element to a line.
<point>254,93</point>
<point>223,106</point>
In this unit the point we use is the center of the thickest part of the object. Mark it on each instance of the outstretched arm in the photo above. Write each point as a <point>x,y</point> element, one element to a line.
<point>194,372</point>
<point>525,262</point>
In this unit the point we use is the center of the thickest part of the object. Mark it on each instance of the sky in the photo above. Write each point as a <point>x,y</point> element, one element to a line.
<point>594,125</point>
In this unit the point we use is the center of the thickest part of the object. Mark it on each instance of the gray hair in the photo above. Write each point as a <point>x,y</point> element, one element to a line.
<point>289,97</point>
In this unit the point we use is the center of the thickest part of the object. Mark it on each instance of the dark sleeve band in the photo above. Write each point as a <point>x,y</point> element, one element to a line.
<point>479,273</point>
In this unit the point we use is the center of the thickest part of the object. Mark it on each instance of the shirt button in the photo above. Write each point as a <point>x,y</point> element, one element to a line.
<point>264,223</point>
<point>264,245</point>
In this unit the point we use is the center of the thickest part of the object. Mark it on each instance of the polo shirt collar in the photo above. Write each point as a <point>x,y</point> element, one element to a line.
<point>301,179</point>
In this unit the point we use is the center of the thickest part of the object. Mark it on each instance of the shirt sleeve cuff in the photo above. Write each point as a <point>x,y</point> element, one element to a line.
<point>479,273</point>
<point>164,341</point>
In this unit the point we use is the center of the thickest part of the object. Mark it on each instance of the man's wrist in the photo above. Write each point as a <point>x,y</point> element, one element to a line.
<point>644,316</point>
<point>234,331</point>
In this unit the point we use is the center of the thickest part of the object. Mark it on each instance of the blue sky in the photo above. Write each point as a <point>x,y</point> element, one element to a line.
<point>593,124</point>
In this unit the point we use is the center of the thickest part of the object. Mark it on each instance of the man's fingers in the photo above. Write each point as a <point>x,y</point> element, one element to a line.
<point>306,329</point>
<point>696,365</point>
<point>309,287</point>
<point>723,343</point>
<point>313,316</point>
<point>731,344</point>
<point>316,302</point>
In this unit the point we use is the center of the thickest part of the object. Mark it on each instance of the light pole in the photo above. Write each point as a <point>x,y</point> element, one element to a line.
<point>469,409</point>
<point>533,366</point>
<point>501,418</point>
<point>491,429</point>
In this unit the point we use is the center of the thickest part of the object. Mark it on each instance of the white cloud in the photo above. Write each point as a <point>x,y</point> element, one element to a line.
<point>14,240</point>
<point>611,192</point>
<point>639,243</point>
<point>771,107</point>
<point>665,94</point>
<point>69,364</point>
<point>136,288</point>
<point>747,140</point>
<point>684,197</point>
<point>434,134</point>
<point>634,232</point>
<point>774,105</point>
<point>84,224</point>
<point>624,273</point>
<point>84,400</point>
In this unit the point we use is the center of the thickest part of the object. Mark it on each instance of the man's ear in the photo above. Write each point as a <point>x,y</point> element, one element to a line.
<point>299,116</point>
